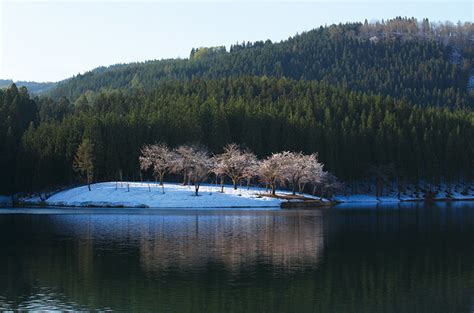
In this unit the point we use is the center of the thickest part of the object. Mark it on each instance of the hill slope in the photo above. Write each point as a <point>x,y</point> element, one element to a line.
<point>426,64</point>
<point>351,131</point>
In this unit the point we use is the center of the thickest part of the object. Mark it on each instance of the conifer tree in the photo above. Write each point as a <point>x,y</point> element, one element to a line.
<point>84,161</point>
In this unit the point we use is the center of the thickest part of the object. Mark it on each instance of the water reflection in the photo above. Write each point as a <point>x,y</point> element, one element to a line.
<point>190,241</point>
<point>393,259</point>
<point>233,241</point>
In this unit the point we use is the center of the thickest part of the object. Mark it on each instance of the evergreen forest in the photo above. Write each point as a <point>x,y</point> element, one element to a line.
<point>394,94</point>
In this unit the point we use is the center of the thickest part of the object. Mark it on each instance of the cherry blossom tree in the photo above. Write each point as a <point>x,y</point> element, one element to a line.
<point>195,164</point>
<point>219,170</point>
<point>294,169</point>
<point>328,185</point>
<point>313,171</point>
<point>234,163</point>
<point>182,161</point>
<point>159,158</point>
<point>201,165</point>
<point>272,170</point>
<point>299,169</point>
<point>251,171</point>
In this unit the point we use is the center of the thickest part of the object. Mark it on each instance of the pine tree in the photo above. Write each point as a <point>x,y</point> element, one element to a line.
<point>84,161</point>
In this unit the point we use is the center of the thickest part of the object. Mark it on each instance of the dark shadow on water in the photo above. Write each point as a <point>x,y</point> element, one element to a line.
<point>408,258</point>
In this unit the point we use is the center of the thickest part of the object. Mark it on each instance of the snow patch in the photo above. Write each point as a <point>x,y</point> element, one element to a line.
<point>149,195</point>
<point>444,192</point>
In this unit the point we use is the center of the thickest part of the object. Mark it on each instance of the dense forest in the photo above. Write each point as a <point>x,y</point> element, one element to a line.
<point>427,64</point>
<point>365,97</point>
<point>351,131</point>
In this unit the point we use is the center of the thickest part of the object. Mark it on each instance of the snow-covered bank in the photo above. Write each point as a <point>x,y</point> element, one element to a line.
<point>149,195</point>
<point>175,196</point>
<point>370,198</point>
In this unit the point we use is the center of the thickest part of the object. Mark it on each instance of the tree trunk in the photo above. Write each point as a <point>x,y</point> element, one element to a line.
<point>184,178</point>
<point>89,182</point>
<point>234,181</point>
<point>380,187</point>
<point>273,189</point>
<point>161,183</point>
<point>301,187</point>
<point>196,187</point>
<point>222,184</point>
<point>294,188</point>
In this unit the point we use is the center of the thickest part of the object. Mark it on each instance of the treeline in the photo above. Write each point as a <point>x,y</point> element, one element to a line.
<point>351,131</point>
<point>195,164</point>
<point>404,28</point>
<point>17,112</point>
<point>424,63</point>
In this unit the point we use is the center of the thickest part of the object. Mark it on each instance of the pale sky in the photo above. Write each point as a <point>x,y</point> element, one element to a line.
<point>53,40</point>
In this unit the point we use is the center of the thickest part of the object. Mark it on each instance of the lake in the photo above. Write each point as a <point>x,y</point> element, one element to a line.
<point>394,258</point>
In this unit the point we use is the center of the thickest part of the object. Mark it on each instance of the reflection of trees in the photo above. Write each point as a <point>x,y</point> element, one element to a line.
<point>36,267</point>
<point>235,241</point>
<point>408,258</point>
<point>382,261</point>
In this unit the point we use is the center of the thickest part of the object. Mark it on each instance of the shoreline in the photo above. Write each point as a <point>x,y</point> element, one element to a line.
<point>148,195</point>
<point>119,206</point>
<point>282,206</point>
<point>333,203</point>
<point>409,200</point>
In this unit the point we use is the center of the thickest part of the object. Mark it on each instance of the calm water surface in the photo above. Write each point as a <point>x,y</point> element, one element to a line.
<point>408,258</point>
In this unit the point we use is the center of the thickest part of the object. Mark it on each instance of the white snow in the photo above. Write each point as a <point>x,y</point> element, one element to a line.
<point>178,196</point>
<point>175,196</point>
<point>367,198</point>
<point>442,194</point>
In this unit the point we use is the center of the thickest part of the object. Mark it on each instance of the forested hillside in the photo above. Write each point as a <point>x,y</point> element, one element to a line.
<point>352,131</point>
<point>17,111</point>
<point>389,97</point>
<point>424,63</point>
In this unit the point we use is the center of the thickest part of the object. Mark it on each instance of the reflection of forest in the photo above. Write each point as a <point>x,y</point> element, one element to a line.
<point>236,241</point>
<point>383,261</point>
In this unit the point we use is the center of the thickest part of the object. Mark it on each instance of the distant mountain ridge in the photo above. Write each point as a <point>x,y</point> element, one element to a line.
<point>33,87</point>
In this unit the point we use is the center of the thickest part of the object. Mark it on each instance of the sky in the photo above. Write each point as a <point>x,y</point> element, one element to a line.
<point>53,40</point>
